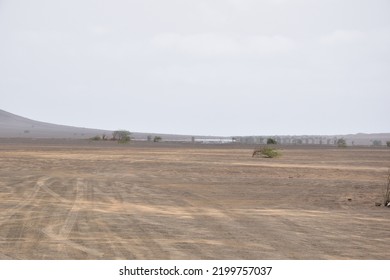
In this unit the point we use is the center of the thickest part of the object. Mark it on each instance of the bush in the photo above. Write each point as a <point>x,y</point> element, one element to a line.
<point>271,141</point>
<point>341,143</point>
<point>96,138</point>
<point>266,152</point>
<point>377,143</point>
<point>157,139</point>
<point>123,136</point>
<point>388,144</point>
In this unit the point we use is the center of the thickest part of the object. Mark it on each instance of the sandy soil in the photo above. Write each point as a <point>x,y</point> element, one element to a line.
<point>83,200</point>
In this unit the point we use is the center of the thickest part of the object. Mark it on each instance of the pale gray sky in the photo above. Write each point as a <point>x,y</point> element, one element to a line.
<point>208,67</point>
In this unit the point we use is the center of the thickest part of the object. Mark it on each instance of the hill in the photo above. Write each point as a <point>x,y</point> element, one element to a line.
<point>13,126</point>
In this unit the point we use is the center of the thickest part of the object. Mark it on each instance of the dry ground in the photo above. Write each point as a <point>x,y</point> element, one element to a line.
<point>82,200</point>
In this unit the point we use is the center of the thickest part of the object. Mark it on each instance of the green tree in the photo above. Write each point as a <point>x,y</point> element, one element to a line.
<point>341,143</point>
<point>96,138</point>
<point>122,136</point>
<point>271,141</point>
<point>157,139</point>
<point>377,143</point>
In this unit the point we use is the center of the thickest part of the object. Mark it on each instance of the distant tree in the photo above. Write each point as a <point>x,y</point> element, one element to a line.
<point>104,137</point>
<point>122,136</point>
<point>157,139</point>
<point>341,143</point>
<point>96,138</point>
<point>271,141</point>
<point>149,138</point>
<point>388,144</point>
<point>377,143</point>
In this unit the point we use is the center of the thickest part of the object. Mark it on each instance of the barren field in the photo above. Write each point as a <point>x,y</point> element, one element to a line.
<point>84,200</point>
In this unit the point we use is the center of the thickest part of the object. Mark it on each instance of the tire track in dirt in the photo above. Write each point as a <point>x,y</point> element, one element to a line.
<point>74,211</point>
<point>6,257</point>
<point>103,227</point>
<point>92,252</point>
<point>62,237</point>
<point>238,228</point>
<point>54,194</point>
<point>6,215</point>
<point>225,222</point>
<point>141,245</point>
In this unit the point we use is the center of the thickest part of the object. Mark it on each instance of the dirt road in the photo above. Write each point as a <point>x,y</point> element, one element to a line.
<point>138,201</point>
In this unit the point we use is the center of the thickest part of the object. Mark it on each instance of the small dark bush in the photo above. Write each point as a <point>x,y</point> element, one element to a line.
<point>271,141</point>
<point>341,143</point>
<point>96,138</point>
<point>265,152</point>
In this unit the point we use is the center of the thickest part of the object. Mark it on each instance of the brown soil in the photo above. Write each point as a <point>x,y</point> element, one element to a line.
<point>83,200</point>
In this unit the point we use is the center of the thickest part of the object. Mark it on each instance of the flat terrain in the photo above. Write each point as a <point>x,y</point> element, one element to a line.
<point>84,200</point>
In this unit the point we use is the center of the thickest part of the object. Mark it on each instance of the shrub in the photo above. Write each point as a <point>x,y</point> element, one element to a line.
<point>266,152</point>
<point>377,143</point>
<point>388,144</point>
<point>96,138</point>
<point>123,136</point>
<point>271,141</point>
<point>341,143</point>
<point>157,139</point>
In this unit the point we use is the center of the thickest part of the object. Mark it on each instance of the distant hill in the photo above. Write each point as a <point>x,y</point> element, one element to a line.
<point>13,126</point>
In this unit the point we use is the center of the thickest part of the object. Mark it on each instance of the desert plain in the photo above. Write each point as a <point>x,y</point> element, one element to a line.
<point>77,199</point>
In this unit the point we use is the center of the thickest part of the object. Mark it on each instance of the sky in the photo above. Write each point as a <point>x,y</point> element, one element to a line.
<point>199,67</point>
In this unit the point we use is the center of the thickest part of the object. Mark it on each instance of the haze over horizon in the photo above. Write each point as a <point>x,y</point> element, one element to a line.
<point>272,67</point>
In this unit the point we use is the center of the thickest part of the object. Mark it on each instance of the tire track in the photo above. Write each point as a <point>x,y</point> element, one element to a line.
<point>12,211</point>
<point>62,237</point>
<point>74,211</point>
<point>146,247</point>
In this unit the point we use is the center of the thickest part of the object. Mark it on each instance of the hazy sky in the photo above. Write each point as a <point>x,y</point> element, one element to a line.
<point>208,67</point>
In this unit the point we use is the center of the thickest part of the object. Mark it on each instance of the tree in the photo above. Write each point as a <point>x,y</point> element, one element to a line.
<point>271,141</point>
<point>341,143</point>
<point>377,143</point>
<point>388,144</point>
<point>96,138</point>
<point>123,136</point>
<point>157,139</point>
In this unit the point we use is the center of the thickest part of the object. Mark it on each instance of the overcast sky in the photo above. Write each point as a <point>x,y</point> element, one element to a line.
<point>206,67</point>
